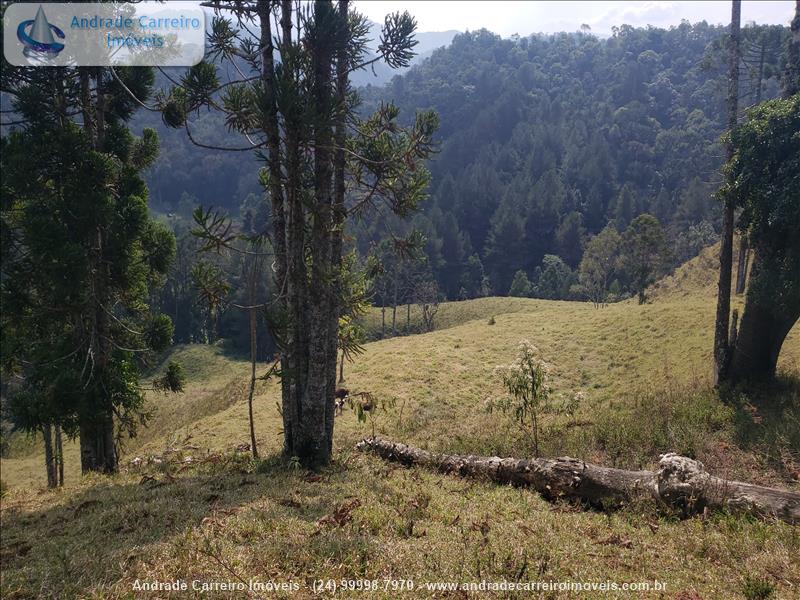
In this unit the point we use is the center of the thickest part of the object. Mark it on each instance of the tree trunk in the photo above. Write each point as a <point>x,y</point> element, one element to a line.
<point>314,220</point>
<point>59,456</point>
<point>394,309</point>
<point>721,349</point>
<point>98,452</point>
<point>96,423</point>
<point>383,322</point>
<point>252,272</point>
<point>679,481</point>
<point>279,198</point>
<point>408,317</point>
<point>741,269</point>
<point>253,351</point>
<point>49,457</point>
<point>763,329</point>
<point>338,215</point>
<point>791,75</point>
<point>288,225</point>
<point>767,320</point>
<point>744,247</point>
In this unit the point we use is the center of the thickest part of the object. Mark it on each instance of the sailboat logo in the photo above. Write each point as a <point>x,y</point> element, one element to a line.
<point>37,36</point>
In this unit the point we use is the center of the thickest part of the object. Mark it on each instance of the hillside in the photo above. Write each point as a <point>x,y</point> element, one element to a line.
<point>543,141</point>
<point>546,139</point>
<point>221,516</point>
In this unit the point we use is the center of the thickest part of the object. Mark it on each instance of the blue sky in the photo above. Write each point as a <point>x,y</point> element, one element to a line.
<point>525,17</point>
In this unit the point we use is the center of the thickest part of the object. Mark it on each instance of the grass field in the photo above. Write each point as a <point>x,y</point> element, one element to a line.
<point>208,513</point>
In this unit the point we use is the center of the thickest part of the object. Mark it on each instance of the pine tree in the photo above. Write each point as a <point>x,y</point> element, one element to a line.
<point>506,249</point>
<point>80,254</point>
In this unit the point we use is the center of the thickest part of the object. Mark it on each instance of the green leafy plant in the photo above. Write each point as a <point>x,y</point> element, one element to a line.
<point>528,392</point>
<point>756,588</point>
<point>571,404</point>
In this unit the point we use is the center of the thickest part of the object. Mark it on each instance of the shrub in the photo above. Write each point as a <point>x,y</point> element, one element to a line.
<point>525,381</point>
<point>756,588</point>
<point>571,404</point>
<point>679,421</point>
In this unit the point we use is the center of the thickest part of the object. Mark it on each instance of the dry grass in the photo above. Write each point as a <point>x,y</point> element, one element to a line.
<point>646,371</point>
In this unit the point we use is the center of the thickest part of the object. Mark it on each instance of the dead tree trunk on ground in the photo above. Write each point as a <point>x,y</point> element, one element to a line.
<point>679,481</point>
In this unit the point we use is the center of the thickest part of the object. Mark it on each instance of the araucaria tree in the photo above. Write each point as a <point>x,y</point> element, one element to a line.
<point>80,254</point>
<point>294,108</point>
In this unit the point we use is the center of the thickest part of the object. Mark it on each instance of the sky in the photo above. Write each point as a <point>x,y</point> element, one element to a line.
<point>526,17</point>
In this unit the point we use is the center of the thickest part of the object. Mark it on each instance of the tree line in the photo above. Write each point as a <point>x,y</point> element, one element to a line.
<point>544,141</point>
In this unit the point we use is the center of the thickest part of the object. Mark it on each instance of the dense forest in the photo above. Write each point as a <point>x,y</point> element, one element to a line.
<point>545,141</point>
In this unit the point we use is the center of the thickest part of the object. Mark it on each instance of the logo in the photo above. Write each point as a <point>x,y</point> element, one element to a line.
<point>37,36</point>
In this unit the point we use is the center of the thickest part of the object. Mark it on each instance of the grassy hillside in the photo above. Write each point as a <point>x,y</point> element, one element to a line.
<point>207,512</point>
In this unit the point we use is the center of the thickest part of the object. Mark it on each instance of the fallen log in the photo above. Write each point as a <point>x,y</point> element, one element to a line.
<point>679,481</point>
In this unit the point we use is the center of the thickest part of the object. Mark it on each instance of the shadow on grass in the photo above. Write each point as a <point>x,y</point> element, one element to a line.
<point>767,421</point>
<point>91,538</point>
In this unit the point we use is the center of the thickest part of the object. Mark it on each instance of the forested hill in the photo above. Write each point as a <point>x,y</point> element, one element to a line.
<point>543,142</point>
<point>547,138</point>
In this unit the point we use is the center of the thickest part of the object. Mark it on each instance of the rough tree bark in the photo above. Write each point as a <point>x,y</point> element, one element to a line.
<point>765,325</point>
<point>314,444</point>
<point>98,451</point>
<point>338,213</point>
<point>741,269</point>
<point>679,481</point>
<point>253,353</point>
<point>306,55</point>
<point>297,136</point>
<point>49,456</point>
<point>763,330</point>
<point>59,455</point>
<point>721,342</point>
<point>744,247</point>
<point>278,199</point>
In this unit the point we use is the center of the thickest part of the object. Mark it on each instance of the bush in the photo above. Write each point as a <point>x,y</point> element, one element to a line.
<point>755,588</point>
<point>674,421</point>
<point>528,397</point>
